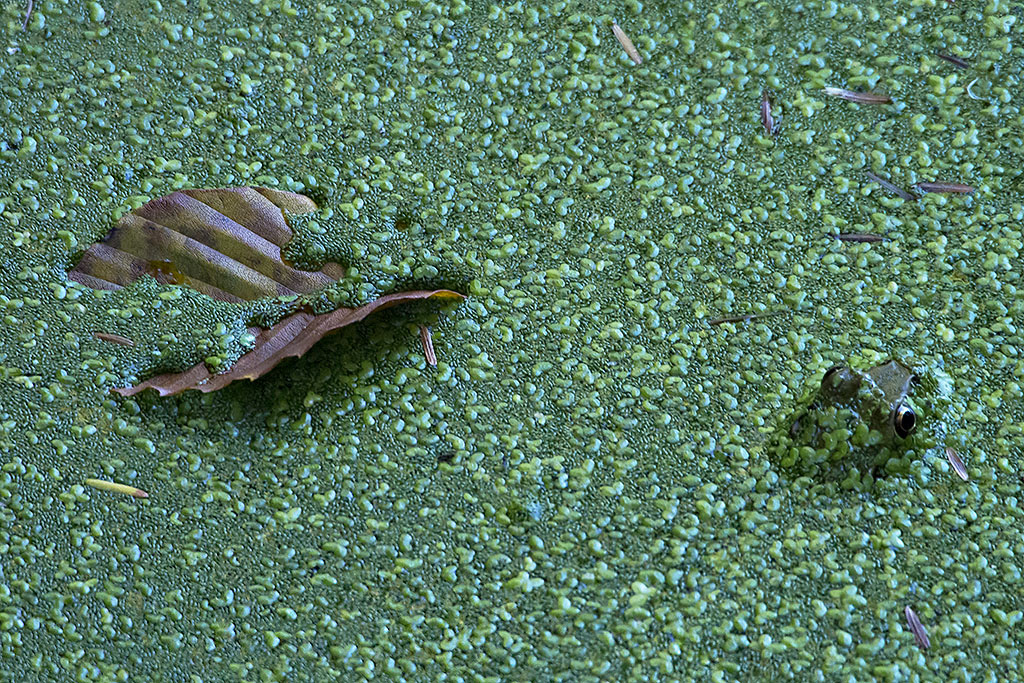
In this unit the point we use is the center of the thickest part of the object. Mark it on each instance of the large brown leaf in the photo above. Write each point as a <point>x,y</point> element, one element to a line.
<point>225,243</point>
<point>292,336</point>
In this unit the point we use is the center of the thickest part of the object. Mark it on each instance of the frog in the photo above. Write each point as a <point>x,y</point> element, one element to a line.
<point>879,396</point>
<point>851,410</point>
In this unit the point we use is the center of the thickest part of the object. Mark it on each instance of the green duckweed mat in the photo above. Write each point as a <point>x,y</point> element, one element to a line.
<point>595,482</point>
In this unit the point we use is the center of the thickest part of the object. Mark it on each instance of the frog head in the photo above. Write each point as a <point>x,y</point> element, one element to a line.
<point>878,396</point>
<point>850,412</point>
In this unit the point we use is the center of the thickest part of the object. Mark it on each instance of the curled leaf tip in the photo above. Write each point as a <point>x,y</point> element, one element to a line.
<point>447,295</point>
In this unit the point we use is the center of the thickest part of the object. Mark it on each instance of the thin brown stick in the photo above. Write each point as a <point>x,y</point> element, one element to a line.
<point>113,338</point>
<point>627,44</point>
<point>920,635</point>
<point>28,16</point>
<point>858,97</point>
<point>954,60</point>
<point>940,186</point>
<point>741,318</point>
<point>898,191</point>
<point>857,237</point>
<point>428,345</point>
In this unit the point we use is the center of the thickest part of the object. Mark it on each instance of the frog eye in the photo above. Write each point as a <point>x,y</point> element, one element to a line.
<point>904,420</point>
<point>831,371</point>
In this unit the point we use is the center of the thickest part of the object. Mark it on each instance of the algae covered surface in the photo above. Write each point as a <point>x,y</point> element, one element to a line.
<point>594,483</point>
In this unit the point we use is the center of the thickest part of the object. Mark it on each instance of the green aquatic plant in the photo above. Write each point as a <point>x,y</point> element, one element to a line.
<point>360,516</point>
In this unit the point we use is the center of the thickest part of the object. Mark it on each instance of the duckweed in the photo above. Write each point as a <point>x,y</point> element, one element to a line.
<point>584,487</point>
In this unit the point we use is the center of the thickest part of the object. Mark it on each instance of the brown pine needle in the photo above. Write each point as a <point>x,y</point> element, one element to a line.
<point>957,463</point>
<point>104,485</point>
<point>428,345</point>
<point>627,44</point>
<point>857,237</point>
<point>920,635</point>
<point>741,318</point>
<point>939,186</point>
<point>954,60</point>
<point>898,191</point>
<point>858,97</point>
<point>113,338</point>
<point>28,16</point>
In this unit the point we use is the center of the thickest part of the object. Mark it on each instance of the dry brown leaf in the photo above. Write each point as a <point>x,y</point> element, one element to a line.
<point>291,337</point>
<point>428,345</point>
<point>113,338</point>
<point>225,243</point>
<point>859,97</point>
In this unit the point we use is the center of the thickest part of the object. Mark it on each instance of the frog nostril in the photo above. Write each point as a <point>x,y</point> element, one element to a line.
<point>904,420</point>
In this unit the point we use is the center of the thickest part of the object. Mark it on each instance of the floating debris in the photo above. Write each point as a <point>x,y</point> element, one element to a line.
<point>920,635</point>
<point>113,338</point>
<point>957,463</point>
<point>289,338</point>
<point>626,44</point>
<point>858,97</point>
<point>104,485</point>
<point>741,318</point>
<point>28,16</point>
<point>770,126</point>
<point>954,60</point>
<point>428,345</point>
<point>939,186</point>
<point>898,191</point>
<point>225,243</point>
<point>857,237</point>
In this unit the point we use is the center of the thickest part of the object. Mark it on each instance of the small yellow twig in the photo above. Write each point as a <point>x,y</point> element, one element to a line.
<point>104,485</point>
